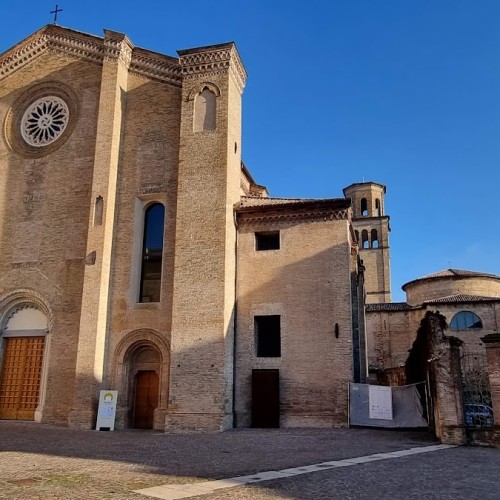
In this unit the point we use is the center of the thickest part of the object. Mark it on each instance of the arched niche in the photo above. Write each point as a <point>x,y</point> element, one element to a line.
<point>27,320</point>
<point>205,110</point>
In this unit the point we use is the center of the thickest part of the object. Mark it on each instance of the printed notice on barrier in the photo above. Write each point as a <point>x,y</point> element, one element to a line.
<point>380,402</point>
<point>107,411</point>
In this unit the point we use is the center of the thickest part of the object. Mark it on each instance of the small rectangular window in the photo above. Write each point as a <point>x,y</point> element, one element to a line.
<point>269,240</point>
<point>268,336</point>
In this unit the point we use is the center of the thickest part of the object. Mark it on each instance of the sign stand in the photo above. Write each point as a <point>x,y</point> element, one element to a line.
<point>107,411</point>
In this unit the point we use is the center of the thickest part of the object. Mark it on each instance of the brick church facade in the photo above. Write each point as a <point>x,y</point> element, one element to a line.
<point>139,255</point>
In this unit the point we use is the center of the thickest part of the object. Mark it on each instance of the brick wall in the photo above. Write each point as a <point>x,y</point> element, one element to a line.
<point>307,282</point>
<point>44,210</point>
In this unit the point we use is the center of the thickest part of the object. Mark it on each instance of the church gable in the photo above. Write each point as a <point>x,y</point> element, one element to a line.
<point>51,38</point>
<point>83,46</point>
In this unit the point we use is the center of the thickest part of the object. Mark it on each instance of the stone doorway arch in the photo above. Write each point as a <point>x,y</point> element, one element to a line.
<point>141,376</point>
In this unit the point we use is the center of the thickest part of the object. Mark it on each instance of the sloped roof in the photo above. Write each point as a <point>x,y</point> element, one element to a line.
<point>452,274</point>
<point>457,272</point>
<point>368,183</point>
<point>254,201</point>
<point>462,298</point>
<point>261,209</point>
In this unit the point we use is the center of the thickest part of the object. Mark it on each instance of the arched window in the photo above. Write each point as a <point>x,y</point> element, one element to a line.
<point>152,253</point>
<point>374,237</point>
<point>466,320</point>
<point>378,212</point>
<point>365,243</point>
<point>364,207</point>
<point>204,110</point>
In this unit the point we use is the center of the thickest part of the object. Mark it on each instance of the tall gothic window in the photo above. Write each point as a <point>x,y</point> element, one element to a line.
<point>152,253</point>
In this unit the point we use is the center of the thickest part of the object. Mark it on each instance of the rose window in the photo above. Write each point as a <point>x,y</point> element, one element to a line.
<point>44,121</point>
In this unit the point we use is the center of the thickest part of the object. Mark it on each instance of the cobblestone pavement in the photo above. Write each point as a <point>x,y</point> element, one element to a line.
<point>45,462</point>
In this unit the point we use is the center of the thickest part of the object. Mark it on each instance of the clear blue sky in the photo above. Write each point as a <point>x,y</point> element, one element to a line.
<point>402,92</point>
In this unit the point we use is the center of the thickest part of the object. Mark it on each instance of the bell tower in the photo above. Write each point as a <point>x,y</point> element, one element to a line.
<point>372,228</point>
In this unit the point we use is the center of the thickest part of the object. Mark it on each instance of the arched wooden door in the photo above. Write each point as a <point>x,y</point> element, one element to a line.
<point>22,344</point>
<point>21,376</point>
<point>146,398</point>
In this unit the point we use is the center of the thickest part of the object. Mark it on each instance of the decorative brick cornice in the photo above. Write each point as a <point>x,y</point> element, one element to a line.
<point>270,210</point>
<point>206,61</point>
<point>273,216</point>
<point>54,39</point>
<point>115,46</point>
<point>213,60</point>
<point>491,338</point>
<point>155,66</point>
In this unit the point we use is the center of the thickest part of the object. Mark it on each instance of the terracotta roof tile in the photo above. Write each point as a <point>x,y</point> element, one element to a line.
<point>456,272</point>
<point>254,201</point>
<point>453,274</point>
<point>461,298</point>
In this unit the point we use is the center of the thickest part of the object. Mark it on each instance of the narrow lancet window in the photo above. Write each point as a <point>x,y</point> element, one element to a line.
<point>152,253</point>
<point>374,236</point>
<point>204,111</point>
<point>378,213</point>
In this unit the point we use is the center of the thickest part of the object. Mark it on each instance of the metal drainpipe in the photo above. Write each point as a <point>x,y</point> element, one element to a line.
<point>235,316</point>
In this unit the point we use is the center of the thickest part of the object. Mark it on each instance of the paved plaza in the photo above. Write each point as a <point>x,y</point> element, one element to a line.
<point>45,462</point>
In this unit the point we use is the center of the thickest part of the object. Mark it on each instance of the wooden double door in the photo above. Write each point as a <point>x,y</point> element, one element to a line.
<point>20,377</point>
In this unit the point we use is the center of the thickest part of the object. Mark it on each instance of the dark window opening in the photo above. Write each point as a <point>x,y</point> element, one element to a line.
<point>378,213</point>
<point>268,336</point>
<point>356,232</point>
<point>374,236</point>
<point>364,207</point>
<point>267,241</point>
<point>466,320</point>
<point>98,211</point>
<point>152,253</point>
<point>365,242</point>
